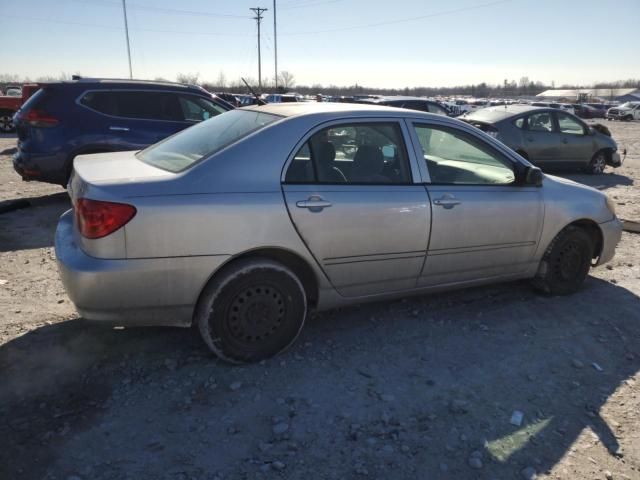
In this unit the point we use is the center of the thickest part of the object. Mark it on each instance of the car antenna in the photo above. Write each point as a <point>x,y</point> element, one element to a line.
<point>258,99</point>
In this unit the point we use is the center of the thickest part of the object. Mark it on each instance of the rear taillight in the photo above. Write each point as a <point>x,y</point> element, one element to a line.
<point>39,118</point>
<point>97,219</point>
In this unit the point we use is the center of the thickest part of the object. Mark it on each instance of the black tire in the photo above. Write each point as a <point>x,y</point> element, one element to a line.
<point>598,163</point>
<point>6,123</point>
<point>628,118</point>
<point>566,262</point>
<point>252,311</point>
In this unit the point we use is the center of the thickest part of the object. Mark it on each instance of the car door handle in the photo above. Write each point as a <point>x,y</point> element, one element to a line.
<point>565,141</point>
<point>530,139</point>
<point>313,203</point>
<point>119,129</point>
<point>447,201</point>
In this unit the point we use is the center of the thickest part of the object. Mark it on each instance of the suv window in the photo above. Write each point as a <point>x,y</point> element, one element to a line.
<point>102,102</point>
<point>365,153</point>
<point>433,108</point>
<point>540,122</point>
<point>148,105</point>
<point>454,157</point>
<point>196,109</point>
<point>570,125</point>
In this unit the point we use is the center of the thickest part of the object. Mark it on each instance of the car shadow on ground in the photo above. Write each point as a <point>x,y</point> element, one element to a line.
<point>33,224</point>
<point>604,181</point>
<point>439,375</point>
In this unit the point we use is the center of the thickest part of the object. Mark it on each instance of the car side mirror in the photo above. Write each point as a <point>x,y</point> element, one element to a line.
<point>533,176</point>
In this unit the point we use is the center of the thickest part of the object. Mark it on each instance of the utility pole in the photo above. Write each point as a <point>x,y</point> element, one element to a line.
<point>258,18</point>
<point>275,43</point>
<point>126,30</point>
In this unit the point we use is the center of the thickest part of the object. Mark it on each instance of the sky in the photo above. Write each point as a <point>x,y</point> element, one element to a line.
<point>375,43</point>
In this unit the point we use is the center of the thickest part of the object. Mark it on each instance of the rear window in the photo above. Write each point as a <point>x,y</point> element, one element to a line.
<point>184,149</point>
<point>33,100</point>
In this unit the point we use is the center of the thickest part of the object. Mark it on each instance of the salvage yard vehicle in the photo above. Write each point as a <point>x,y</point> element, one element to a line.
<point>412,103</point>
<point>626,111</point>
<point>549,137</point>
<point>243,223</point>
<point>88,115</point>
<point>11,103</point>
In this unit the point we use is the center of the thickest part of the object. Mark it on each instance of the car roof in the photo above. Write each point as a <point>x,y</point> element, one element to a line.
<point>121,82</point>
<point>498,113</point>
<point>396,98</point>
<point>298,109</point>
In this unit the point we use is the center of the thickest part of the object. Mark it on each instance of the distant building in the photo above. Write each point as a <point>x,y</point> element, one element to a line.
<point>592,95</point>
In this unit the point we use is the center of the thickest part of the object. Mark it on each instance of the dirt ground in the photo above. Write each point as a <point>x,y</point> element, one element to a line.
<point>423,388</point>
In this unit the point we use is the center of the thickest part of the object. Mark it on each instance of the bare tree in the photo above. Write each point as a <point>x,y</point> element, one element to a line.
<point>286,79</point>
<point>189,78</point>
<point>221,82</point>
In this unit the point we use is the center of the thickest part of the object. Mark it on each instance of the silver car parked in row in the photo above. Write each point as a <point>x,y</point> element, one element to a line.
<point>245,222</point>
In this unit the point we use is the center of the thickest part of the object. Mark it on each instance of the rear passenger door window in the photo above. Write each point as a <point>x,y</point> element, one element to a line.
<point>103,102</point>
<point>359,154</point>
<point>540,122</point>
<point>148,105</point>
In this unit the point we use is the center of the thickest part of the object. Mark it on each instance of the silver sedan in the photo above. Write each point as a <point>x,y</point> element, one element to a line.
<point>244,223</point>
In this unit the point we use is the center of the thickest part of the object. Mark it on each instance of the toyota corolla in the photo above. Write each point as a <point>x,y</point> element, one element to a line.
<point>244,223</point>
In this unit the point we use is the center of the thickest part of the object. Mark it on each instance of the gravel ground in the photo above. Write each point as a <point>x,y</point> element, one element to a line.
<point>421,388</point>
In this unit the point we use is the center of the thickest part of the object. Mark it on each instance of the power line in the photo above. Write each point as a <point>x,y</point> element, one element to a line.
<point>312,3</point>
<point>169,10</point>
<point>401,20</point>
<point>112,27</point>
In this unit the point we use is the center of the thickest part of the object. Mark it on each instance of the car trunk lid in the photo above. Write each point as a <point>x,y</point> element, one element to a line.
<point>103,190</point>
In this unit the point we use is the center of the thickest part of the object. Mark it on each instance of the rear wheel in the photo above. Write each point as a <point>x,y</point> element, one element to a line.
<point>566,262</point>
<point>252,311</point>
<point>597,163</point>
<point>6,123</point>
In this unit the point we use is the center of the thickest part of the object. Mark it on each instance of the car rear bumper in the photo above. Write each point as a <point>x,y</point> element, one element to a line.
<point>611,234</point>
<point>131,292</point>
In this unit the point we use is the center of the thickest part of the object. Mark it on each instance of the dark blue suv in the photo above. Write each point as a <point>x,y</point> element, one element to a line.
<point>66,119</point>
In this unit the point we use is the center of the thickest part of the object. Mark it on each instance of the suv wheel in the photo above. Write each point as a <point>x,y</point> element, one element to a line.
<point>566,262</point>
<point>252,311</point>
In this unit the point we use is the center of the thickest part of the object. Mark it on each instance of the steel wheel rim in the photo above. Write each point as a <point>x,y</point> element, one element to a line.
<point>255,314</point>
<point>570,261</point>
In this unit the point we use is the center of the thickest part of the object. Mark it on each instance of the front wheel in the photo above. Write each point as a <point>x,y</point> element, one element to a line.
<point>566,262</point>
<point>252,311</point>
<point>597,164</point>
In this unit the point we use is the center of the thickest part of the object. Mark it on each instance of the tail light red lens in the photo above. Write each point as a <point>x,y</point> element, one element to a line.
<point>40,118</point>
<point>97,219</point>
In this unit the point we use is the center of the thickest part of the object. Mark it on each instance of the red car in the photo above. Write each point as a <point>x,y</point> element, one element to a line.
<point>10,105</point>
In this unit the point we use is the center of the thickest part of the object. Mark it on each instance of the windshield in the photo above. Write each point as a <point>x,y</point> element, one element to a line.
<point>629,105</point>
<point>183,150</point>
